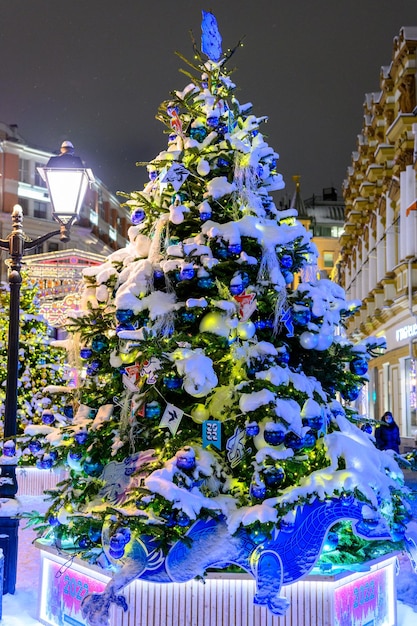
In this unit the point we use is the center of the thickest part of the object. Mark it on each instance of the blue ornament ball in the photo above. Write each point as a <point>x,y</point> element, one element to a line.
<point>212,121</point>
<point>9,449</point>
<point>48,417</point>
<point>316,422</point>
<point>93,367</point>
<point>76,456</point>
<point>92,468</point>
<point>81,437</point>
<point>99,343</point>
<point>153,410</point>
<point>124,315</point>
<point>35,447</point>
<point>205,282</point>
<point>221,162</point>
<point>358,367</point>
<point>94,534</point>
<point>188,316</point>
<point>274,436</point>
<point>127,535</point>
<point>293,441</point>
<point>258,536</point>
<point>286,526</point>
<point>258,490</point>
<point>283,357</point>
<point>185,461</point>
<point>172,382</point>
<point>222,252</point>
<point>273,476</point>
<point>53,521</point>
<point>286,261</point>
<point>301,317</point>
<point>187,273</point>
<point>205,215</point>
<point>252,429</point>
<point>45,463</point>
<point>198,133</point>
<point>183,519</point>
<point>117,542</point>
<point>68,411</point>
<point>350,393</point>
<point>84,542</point>
<point>237,288</point>
<point>137,216</point>
<point>309,440</point>
<point>234,248</point>
<point>86,353</point>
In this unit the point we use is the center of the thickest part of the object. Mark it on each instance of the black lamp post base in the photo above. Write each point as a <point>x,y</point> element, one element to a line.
<point>9,527</point>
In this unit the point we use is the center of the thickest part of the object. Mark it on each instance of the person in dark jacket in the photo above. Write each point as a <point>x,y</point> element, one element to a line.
<point>387,434</point>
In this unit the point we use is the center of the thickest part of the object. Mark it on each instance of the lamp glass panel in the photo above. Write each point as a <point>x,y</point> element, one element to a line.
<point>67,189</point>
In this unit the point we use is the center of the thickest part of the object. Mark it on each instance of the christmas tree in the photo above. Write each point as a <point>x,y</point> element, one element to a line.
<point>214,423</point>
<point>42,370</point>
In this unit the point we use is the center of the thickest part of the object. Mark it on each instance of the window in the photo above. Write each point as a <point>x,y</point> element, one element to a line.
<point>328,259</point>
<point>39,182</point>
<point>337,231</point>
<point>53,247</point>
<point>24,203</point>
<point>24,175</point>
<point>40,210</point>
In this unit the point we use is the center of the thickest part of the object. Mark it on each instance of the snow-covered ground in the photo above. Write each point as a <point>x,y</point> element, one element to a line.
<point>21,608</point>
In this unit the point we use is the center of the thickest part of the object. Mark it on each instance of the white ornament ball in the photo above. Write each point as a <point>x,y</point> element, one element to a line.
<point>308,340</point>
<point>203,167</point>
<point>246,330</point>
<point>324,341</point>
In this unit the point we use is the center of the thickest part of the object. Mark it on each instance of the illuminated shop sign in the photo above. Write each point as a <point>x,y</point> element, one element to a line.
<point>405,332</point>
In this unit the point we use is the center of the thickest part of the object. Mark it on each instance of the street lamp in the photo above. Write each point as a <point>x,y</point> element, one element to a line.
<point>67,181</point>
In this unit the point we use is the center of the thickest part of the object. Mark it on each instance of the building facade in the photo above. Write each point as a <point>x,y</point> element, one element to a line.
<point>378,260</point>
<point>323,215</point>
<point>101,227</point>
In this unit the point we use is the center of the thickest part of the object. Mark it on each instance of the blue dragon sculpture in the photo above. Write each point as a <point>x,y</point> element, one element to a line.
<point>286,556</point>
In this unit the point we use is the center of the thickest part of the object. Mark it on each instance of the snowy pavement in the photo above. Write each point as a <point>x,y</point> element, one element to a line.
<point>21,608</point>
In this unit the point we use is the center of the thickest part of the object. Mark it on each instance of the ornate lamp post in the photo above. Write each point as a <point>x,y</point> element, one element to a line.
<point>67,181</point>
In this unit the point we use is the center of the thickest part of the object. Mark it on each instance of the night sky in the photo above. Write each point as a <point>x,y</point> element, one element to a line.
<point>95,71</point>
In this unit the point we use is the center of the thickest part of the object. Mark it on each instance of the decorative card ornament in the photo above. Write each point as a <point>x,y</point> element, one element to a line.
<point>211,40</point>
<point>171,418</point>
<point>175,175</point>
<point>212,434</point>
<point>176,123</point>
<point>149,369</point>
<point>235,447</point>
<point>131,377</point>
<point>286,319</point>
<point>247,305</point>
<point>118,478</point>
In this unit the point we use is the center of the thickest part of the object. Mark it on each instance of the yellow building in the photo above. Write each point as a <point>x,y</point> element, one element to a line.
<point>378,260</point>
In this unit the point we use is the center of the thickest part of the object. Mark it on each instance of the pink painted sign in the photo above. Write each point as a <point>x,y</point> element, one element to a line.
<point>366,601</point>
<point>63,590</point>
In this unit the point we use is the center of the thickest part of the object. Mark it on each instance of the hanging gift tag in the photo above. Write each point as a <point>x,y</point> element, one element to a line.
<point>247,305</point>
<point>176,175</point>
<point>149,369</point>
<point>131,377</point>
<point>212,434</point>
<point>171,418</point>
<point>176,123</point>
<point>235,447</point>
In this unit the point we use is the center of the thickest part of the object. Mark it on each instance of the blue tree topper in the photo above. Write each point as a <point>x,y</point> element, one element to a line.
<point>211,40</point>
